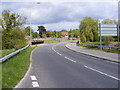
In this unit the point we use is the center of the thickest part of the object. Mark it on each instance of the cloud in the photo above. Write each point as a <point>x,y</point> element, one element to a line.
<point>58,1</point>
<point>58,14</point>
<point>57,26</point>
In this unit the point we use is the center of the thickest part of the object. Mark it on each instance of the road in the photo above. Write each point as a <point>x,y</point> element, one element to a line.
<point>55,66</point>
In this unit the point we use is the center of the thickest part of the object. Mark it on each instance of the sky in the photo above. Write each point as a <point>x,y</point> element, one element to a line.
<point>58,15</point>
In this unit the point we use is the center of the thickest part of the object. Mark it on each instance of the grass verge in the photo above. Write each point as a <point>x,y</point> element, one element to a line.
<point>15,68</point>
<point>6,52</point>
<point>55,41</point>
<point>105,50</point>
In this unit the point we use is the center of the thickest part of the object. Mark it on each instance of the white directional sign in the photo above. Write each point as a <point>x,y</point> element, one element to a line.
<point>108,30</point>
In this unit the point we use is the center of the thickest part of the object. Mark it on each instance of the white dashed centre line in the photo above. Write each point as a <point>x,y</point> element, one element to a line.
<point>70,59</point>
<point>33,78</point>
<point>35,84</point>
<point>101,72</point>
<point>59,54</point>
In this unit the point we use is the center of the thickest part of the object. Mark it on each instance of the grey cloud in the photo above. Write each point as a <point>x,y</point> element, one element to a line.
<point>46,13</point>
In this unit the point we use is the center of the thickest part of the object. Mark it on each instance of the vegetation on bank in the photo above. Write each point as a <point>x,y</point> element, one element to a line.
<point>15,68</point>
<point>13,36</point>
<point>56,41</point>
<point>6,52</point>
<point>109,50</point>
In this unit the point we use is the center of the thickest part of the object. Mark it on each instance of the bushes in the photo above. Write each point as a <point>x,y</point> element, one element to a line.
<point>13,39</point>
<point>107,40</point>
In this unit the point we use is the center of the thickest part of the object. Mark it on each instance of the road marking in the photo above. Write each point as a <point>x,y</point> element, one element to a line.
<point>54,51</point>
<point>35,84</point>
<point>70,59</point>
<point>101,72</point>
<point>59,54</point>
<point>53,48</point>
<point>33,78</point>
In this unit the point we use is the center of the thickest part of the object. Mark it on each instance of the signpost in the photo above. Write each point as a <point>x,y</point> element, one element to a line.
<point>107,30</point>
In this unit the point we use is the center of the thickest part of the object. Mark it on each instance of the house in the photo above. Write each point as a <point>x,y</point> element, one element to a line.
<point>64,34</point>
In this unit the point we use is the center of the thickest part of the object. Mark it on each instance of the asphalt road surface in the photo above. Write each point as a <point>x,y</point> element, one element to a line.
<point>55,66</point>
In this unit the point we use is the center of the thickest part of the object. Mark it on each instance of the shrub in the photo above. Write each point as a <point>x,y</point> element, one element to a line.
<point>13,39</point>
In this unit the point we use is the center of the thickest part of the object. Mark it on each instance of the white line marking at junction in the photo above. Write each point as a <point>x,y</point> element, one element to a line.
<point>70,59</point>
<point>35,84</point>
<point>101,72</point>
<point>33,78</point>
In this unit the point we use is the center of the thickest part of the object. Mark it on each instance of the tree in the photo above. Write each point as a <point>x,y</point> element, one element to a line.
<point>41,30</point>
<point>89,29</point>
<point>35,34</point>
<point>27,30</point>
<point>12,34</point>
<point>11,21</point>
<point>74,33</point>
<point>109,21</point>
<point>64,30</point>
<point>13,39</point>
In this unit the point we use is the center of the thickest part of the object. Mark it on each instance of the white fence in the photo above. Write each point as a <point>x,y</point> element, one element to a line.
<point>12,54</point>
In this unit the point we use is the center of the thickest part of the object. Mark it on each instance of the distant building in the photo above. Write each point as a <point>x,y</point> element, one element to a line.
<point>64,34</point>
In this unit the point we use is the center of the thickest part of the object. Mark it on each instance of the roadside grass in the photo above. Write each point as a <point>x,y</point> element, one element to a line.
<point>15,68</point>
<point>103,43</point>
<point>6,52</point>
<point>55,41</point>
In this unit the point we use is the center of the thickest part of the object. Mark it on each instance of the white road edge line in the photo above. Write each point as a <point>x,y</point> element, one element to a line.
<point>33,78</point>
<point>101,72</point>
<point>35,84</point>
<point>70,59</point>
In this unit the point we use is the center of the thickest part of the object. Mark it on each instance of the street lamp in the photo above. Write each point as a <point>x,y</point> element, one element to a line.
<point>30,29</point>
<point>31,26</point>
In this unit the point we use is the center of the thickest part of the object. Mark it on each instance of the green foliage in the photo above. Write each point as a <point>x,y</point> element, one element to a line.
<point>42,31</point>
<point>11,21</point>
<point>54,34</point>
<point>89,29</point>
<point>44,35</point>
<point>13,39</point>
<point>12,35</point>
<point>37,41</point>
<point>83,39</point>
<point>35,35</point>
<point>27,31</point>
<point>64,30</point>
<point>109,21</point>
<point>107,40</point>
<point>75,33</point>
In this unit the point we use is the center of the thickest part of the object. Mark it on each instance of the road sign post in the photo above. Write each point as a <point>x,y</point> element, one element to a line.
<point>108,30</point>
<point>100,37</point>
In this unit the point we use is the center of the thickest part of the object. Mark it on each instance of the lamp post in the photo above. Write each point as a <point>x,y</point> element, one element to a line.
<point>31,26</point>
<point>30,29</point>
